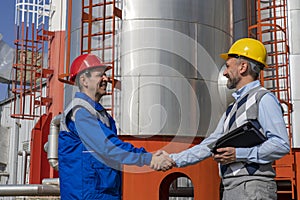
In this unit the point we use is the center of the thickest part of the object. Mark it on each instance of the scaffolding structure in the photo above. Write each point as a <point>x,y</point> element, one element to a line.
<point>31,72</point>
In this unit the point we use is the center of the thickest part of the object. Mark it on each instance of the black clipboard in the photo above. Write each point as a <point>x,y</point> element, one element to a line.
<point>247,135</point>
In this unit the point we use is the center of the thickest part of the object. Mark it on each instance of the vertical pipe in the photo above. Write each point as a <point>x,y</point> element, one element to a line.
<point>24,164</point>
<point>16,11</point>
<point>24,155</point>
<point>52,151</point>
<point>37,10</point>
<point>69,36</point>
<point>14,153</point>
<point>43,13</point>
<point>34,12</point>
<point>28,12</point>
<point>22,10</point>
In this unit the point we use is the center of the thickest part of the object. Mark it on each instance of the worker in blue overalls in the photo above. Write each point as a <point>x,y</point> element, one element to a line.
<point>90,153</point>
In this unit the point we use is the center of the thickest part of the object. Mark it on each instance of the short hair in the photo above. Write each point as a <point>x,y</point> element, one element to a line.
<point>86,72</point>
<point>254,70</point>
<point>253,66</point>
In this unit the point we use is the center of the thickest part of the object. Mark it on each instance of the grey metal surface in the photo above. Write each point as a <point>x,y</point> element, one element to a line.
<point>211,13</point>
<point>171,66</point>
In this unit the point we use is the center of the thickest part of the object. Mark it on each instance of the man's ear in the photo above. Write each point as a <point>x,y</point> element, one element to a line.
<point>243,67</point>
<point>83,80</point>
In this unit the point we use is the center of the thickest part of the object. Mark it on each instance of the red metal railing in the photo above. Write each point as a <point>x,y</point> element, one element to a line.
<point>30,73</point>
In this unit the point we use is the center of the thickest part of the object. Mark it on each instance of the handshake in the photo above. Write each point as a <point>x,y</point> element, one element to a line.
<point>161,161</point>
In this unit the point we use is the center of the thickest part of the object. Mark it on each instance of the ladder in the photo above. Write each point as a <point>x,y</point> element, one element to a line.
<point>99,21</point>
<point>270,27</point>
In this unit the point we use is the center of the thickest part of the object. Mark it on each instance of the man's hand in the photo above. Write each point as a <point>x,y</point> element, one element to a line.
<point>161,161</point>
<point>225,155</point>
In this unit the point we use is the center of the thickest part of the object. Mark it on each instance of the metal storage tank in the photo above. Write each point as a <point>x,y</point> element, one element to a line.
<point>171,79</point>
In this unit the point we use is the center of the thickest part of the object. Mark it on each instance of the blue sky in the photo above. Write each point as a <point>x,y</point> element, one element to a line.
<point>7,15</point>
<point>7,29</point>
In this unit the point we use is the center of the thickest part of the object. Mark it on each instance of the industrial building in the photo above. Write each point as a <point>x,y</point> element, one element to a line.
<point>165,54</point>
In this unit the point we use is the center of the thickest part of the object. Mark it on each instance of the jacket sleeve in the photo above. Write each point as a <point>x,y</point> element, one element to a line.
<point>105,143</point>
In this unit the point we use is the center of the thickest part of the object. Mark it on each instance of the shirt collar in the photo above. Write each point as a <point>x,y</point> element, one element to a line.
<point>93,103</point>
<point>240,92</point>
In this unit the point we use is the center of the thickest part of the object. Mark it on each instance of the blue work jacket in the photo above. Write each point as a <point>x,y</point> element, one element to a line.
<point>91,154</point>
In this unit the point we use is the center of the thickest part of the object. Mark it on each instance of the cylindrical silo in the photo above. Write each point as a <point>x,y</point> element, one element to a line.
<point>170,64</point>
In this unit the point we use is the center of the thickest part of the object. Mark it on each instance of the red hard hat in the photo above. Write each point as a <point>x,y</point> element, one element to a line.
<point>83,62</point>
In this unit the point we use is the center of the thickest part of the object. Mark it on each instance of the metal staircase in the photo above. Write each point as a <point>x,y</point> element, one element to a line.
<point>268,23</point>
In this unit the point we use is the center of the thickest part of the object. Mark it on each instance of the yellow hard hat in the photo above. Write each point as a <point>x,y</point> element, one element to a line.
<point>249,48</point>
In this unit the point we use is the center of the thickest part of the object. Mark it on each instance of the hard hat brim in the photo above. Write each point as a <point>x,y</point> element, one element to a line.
<point>224,56</point>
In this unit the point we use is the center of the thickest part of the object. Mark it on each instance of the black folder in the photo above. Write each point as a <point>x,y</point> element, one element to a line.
<point>247,135</point>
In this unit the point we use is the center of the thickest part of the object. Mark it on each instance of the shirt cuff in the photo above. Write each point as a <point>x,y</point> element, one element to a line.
<point>173,157</point>
<point>241,154</point>
<point>147,157</point>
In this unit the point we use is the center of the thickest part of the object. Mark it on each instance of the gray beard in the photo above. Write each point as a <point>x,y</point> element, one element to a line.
<point>232,83</point>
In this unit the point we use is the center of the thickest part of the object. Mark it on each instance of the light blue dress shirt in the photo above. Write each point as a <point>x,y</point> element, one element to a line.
<point>271,121</point>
